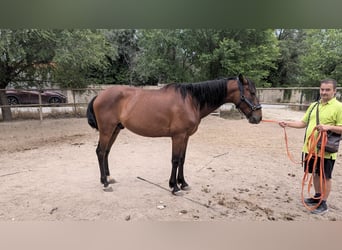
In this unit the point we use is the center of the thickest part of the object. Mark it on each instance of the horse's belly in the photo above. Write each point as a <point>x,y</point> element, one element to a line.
<point>161,127</point>
<point>157,116</point>
<point>150,129</point>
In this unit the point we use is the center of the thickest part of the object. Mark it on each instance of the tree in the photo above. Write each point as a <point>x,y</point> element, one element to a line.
<point>292,47</point>
<point>323,58</point>
<point>205,48</point>
<point>162,57</point>
<point>121,66</point>
<point>25,55</point>
<point>230,52</point>
<point>248,51</point>
<point>202,54</point>
<point>81,56</point>
<point>67,57</point>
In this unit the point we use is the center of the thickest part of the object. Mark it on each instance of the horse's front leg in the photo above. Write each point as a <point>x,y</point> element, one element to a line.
<point>173,178</point>
<point>179,144</point>
<point>180,178</point>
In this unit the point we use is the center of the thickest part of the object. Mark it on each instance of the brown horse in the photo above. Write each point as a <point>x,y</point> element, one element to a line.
<point>173,111</point>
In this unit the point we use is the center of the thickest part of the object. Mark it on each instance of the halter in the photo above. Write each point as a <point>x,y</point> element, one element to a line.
<point>244,99</point>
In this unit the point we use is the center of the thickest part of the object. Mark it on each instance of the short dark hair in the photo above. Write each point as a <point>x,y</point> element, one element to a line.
<point>330,81</point>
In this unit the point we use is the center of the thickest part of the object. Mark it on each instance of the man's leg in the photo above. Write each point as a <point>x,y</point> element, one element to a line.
<point>317,186</point>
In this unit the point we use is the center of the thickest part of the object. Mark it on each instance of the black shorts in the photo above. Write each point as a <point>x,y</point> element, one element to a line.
<point>328,166</point>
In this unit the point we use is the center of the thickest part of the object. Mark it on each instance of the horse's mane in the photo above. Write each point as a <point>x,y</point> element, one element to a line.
<point>208,93</point>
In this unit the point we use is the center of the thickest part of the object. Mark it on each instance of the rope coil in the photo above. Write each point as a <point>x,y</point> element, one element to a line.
<point>312,154</point>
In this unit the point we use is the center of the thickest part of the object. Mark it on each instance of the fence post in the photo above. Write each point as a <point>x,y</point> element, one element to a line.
<point>40,106</point>
<point>74,101</point>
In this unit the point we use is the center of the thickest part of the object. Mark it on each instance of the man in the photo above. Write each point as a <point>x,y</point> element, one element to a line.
<point>330,117</point>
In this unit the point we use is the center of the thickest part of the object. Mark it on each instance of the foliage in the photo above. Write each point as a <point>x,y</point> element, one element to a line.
<point>323,57</point>
<point>31,57</point>
<point>291,47</point>
<point>121,65</point>
<point>251,52</point>
<point>162,57</point>
<point>76,58</point>
<point>80,54</point>
<point>193,55</point>
<point>68,57</point>
<point>79,57</point>
<point>25,55</point>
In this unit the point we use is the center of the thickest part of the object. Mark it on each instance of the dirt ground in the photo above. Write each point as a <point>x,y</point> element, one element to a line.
<point>237,172</point>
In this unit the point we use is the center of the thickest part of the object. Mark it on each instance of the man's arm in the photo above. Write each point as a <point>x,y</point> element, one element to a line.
<point>294,124</point>
<point>335,129</point>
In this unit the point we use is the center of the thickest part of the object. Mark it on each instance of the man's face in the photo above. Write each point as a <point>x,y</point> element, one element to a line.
<point>327,91</point>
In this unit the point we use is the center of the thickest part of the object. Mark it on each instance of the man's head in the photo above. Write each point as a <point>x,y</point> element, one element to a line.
<point>327,89</point>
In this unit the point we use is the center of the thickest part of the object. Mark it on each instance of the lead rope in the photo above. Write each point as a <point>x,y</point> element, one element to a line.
<point>311,145</point>
<point>288,153</point>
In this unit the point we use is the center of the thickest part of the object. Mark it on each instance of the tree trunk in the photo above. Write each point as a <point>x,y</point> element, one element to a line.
<point>5,111</point>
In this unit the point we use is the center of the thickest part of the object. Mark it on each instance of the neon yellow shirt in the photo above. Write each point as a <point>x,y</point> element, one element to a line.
<point>330,113</point>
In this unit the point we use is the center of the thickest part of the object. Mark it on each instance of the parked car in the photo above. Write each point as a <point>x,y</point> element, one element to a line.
<point>15,97</point>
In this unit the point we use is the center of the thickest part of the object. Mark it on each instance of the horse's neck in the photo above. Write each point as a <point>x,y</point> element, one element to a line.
<point>207,110</point>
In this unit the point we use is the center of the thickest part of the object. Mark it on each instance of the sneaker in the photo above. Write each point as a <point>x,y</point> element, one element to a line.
<point>322,209</point>
<point>311,201</point>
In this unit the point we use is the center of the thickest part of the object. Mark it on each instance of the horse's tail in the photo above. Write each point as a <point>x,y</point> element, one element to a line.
<point>91,115</point>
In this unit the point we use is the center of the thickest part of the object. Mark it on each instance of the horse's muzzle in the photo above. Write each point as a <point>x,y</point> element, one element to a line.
<point>254,119</point>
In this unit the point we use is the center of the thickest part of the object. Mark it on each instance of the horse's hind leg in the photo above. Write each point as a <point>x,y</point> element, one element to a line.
<point>111,141</point>
<point>100,152</point>
<point>103,148</point>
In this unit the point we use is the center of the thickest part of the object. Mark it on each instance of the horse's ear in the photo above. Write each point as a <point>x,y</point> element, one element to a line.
<point>242,79</point>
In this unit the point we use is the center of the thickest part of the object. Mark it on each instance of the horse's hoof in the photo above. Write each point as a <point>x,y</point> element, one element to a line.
<point>186,188</point>
<point>108,189</point>
<point>177,192</point>
<point>110,180</point>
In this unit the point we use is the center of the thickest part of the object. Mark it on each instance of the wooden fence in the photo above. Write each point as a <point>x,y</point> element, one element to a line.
<point>77,101</point>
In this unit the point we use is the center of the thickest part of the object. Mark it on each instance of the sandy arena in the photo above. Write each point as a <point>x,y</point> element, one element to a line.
<point>237,172</point>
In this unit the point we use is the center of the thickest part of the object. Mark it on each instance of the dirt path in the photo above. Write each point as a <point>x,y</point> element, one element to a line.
<point>237,171</point>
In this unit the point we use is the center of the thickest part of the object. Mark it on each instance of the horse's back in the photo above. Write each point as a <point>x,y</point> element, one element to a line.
<point>153,113</point>
<point>113,94</point>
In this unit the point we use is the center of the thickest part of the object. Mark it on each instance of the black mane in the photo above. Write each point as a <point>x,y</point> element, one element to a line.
<point>209,93</point>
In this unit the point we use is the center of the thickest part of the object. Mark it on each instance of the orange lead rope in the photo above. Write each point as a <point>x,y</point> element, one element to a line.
<point>312,146</point>
<point>286,143</point>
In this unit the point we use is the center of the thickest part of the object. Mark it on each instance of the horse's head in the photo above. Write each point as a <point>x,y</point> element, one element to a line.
<point>245,99</point>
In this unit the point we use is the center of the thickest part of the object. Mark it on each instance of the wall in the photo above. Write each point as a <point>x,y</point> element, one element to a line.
<point>79,98</point>
<point>266,95</point>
